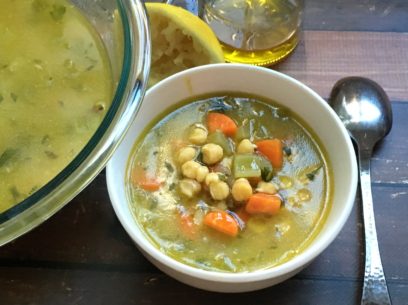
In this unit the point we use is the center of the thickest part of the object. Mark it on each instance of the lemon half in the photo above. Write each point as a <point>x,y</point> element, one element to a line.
<point>180,40</point>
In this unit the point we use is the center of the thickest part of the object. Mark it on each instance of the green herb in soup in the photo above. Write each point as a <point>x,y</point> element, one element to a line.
<point>55,87</point>
<point>229,183</point>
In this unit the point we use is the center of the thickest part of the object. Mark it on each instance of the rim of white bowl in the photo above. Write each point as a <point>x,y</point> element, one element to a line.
<point>297,262</point>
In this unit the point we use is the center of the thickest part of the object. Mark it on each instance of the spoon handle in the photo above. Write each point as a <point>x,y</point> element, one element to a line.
<point>375,291</point>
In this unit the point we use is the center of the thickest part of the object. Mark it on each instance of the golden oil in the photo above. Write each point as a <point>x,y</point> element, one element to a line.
<point>258,32</point>
<point>261,57</point>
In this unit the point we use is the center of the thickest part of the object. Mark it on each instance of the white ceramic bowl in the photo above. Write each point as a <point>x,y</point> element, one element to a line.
<point>264,83</point>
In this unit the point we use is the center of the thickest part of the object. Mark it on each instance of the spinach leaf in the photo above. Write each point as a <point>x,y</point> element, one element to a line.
<point>13,96</point>
<point>58,12</point>
<point>287,150</point>
<point>311,175</point>
<point>169,167</point>
<point>7,155</point>
<point>15,193</point>
<point>51,154</point>
<point>39,5</point>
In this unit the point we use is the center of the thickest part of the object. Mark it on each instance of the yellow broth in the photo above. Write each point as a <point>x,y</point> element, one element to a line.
<point>263,241</point>
<point>55,87</point>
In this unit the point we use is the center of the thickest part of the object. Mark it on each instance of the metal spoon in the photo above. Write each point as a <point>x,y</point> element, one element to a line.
<point>365,110</point>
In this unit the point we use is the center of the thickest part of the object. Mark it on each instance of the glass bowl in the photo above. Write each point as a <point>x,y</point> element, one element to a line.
<point>123,28</point>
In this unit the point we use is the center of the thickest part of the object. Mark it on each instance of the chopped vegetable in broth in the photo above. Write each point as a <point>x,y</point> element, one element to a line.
<point>229,183</point>
<point>55,87</point>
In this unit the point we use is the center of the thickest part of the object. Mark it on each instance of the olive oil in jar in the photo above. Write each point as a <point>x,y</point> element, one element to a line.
<point>259,32</point>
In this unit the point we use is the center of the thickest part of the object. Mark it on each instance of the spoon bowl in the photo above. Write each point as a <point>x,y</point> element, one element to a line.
<point>365,111</point>
<point>364,108</point>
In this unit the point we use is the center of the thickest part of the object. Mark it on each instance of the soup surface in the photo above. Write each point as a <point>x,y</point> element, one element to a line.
<point>55,87</point>
<point>229,183</point>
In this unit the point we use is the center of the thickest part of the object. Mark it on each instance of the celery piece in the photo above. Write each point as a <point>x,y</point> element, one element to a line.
<point>249,166</point>
<point>245,131</point>
<point>220,139</point>
<point>246,166</point>
<point>242,133</point>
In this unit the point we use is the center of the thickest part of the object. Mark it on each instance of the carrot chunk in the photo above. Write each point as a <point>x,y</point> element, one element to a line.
<point>150,185</point>
<point>261,203</point>
<point>222,122</point>
<point>222,222</point>
<point>273,150</point>
<point>140,178</point>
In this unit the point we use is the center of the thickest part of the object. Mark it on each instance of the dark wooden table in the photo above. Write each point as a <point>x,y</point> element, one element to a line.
<point>83,256</point>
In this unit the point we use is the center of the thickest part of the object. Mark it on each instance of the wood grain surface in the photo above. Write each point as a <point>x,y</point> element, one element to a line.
<point>323,57</point>
<point>103,266</point>
<point>82,255</point>
<point>356,15</point>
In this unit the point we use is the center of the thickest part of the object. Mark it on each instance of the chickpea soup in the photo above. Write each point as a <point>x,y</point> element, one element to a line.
<point>229,183</point>
<point>55,87</point>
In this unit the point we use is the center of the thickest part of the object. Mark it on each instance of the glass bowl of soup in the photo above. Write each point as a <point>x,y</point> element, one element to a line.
<point>72,77</point>
<point>232,177</point>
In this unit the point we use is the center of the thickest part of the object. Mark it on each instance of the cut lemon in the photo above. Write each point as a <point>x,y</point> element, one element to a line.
<point>180,40</point>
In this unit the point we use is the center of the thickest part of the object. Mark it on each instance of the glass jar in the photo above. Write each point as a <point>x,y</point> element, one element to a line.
<point>258,32</point>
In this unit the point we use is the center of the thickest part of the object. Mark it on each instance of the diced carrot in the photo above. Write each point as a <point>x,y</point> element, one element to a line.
<point>273,150</point>
<point>222,222</point>
<point>140,178</point>
<point>261,203</point>
<point>222,122</point>
<point>188,227</point>
<point>150,185</point>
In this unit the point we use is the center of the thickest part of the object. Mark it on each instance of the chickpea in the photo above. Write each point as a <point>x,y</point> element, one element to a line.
<point>189,187</point>
<point>219,190</point>
<point>202,173</point>
<point>241,189</point>
<point>189,169</point>
<point>186,154</point>
<point>198,135</point>
<point>267,187</point>
<point>211,177</point>
<point>245,147</point>
<point>212,153</point>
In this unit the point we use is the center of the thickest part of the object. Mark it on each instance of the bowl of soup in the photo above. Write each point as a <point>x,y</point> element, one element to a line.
<point>232,177</point>
<point>72,76</point>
